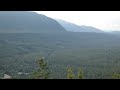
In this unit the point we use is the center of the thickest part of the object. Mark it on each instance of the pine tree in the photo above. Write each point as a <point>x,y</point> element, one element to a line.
<point>80,74</point>
<point>42,72</point>
<point>70,74</point>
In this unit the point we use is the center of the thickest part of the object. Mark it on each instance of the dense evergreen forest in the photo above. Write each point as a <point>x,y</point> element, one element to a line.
<point>96,54</point>
<point>34,46</point>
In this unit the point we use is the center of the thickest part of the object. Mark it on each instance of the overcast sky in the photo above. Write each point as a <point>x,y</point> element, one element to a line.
<point>105,20</point>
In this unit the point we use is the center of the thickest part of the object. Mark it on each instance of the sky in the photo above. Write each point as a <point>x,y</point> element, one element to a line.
<point>104,20</point>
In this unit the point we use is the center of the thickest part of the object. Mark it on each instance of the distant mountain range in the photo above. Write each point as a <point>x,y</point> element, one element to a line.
<point>115,32</point>
<point>76,28</point>
<point>30,22</point>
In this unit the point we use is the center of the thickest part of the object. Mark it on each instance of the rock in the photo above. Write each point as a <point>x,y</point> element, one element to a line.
<point>19,73</point>
<point>7,76</point>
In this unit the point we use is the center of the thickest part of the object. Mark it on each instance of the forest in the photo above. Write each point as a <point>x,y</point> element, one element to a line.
<point>96,54</point>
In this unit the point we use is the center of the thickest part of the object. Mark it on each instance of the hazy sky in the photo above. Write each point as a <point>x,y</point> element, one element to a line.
<point>105,20</point>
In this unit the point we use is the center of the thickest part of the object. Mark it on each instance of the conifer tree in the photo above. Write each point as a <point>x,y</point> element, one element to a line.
<point>42,72</point>
<point>80,74</point>
<point>70,74</point>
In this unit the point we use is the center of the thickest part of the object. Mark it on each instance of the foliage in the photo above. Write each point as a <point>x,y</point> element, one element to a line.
<point>116,76</point>
<point>97,54</point>
<point>80,74</point>
<point>42,71</point>
<point>70,74</point>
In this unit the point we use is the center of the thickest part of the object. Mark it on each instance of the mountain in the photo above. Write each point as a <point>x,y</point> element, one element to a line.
<point>30,22</point>
<point>115,32</point>
<point>97,54</point>
<point>76,28</point>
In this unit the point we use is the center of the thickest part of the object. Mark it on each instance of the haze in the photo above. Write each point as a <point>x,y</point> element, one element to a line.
<point>104,20</point>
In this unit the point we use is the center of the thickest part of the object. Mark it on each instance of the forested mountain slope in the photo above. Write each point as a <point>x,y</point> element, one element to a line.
<point>27,22</point>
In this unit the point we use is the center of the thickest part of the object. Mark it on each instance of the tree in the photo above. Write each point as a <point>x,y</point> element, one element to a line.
<point>70,74</point>
<point>42,72</point>
<point>80,74</point>
<point>116,76</point>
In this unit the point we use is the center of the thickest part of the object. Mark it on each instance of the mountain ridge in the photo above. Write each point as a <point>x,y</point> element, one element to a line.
<point>24,21</point>
<point>76,28</point>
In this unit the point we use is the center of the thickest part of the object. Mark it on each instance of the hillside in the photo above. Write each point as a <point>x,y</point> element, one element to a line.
<point>64,45</point>
<point>76,28</point>
<point>97,54</point>
<point>27,22</point>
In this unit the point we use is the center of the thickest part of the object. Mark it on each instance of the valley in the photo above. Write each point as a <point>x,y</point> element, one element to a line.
<point>26,37</point>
